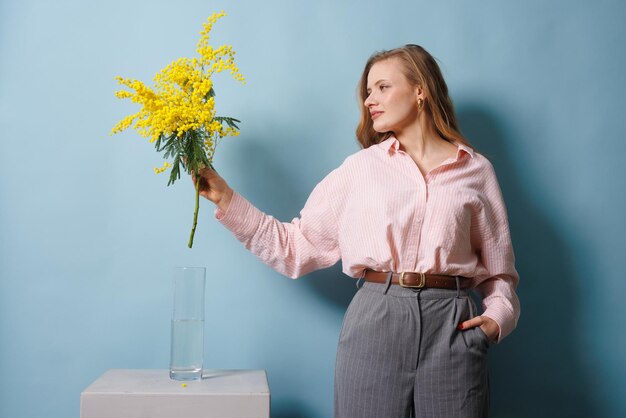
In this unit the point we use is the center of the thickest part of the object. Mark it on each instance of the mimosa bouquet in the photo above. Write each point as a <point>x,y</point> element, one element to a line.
<point>178,114</point>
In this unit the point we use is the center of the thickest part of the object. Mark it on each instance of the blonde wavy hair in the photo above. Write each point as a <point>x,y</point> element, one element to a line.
<point>420,69</point>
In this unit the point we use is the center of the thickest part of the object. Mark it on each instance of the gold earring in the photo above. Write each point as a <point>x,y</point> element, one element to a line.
<point>420,104</point>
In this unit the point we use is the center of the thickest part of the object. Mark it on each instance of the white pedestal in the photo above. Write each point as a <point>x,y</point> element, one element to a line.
<point>123,393</point>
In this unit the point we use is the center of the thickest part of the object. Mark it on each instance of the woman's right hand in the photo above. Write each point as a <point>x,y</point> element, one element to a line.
<point>214,188</point>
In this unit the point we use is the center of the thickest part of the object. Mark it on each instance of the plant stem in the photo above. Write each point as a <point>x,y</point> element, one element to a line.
<point>195,213</point>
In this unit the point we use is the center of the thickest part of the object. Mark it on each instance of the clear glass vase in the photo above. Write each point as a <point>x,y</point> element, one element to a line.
<point>187,347</point>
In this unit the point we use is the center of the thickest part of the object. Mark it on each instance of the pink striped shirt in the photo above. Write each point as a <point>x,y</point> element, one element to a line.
<point>378,211</point>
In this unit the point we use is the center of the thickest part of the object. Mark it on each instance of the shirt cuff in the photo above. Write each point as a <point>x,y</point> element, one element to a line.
<point>499,321</point>
<point>506,319</point>
<point>500,303</point>
<point>241,217</point>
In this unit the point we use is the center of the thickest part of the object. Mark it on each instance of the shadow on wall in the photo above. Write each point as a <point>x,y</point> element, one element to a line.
<point>279,193</point>
<point>536,371</point>
<point>280,197</point>
<point>290,409</point>
<point>334,286</point>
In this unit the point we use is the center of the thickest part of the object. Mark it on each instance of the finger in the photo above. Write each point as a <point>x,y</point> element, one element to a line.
<point>204,184</point>
<point>206,171</point>
<point>471,323</point>
<point>199,182</point>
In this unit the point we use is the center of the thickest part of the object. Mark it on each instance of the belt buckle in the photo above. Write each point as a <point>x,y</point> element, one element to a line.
<point>420,285</point>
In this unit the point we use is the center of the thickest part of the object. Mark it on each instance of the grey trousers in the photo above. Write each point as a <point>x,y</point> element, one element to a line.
<point>400,354</point>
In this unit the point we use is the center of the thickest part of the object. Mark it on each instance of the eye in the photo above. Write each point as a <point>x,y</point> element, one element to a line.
<point>382,87</point>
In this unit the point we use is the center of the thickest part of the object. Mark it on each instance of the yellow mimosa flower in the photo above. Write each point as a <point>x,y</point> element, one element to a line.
<point>178,114</point>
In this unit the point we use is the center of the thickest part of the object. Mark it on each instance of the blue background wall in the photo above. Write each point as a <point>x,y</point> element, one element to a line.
<point>89,235</point>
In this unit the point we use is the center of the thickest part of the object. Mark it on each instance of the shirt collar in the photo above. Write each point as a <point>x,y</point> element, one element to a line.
<point>391,145</point>
<point>463,147</point>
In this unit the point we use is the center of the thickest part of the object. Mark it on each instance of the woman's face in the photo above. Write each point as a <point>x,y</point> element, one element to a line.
<point>391,100</point>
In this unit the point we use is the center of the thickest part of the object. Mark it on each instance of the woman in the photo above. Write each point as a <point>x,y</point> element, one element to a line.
<point>417,215</point>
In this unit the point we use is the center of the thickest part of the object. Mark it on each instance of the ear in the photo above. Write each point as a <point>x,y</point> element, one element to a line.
<point>419,93</point>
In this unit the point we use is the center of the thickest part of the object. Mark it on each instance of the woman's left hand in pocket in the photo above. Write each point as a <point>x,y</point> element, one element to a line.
<point>488,325</point>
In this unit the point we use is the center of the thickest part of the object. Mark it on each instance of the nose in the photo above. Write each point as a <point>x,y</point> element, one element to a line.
<point>369,101</point>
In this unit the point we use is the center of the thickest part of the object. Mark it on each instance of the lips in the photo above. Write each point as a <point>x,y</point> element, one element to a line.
<point>375,114</point>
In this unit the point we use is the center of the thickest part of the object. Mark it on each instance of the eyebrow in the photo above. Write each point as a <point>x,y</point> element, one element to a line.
<point>378,82</point>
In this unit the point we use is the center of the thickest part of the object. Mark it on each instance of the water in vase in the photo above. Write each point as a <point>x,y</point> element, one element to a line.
<point>187,349</point>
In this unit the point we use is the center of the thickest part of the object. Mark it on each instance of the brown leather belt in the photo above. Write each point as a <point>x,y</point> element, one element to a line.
<point>417,280</point>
